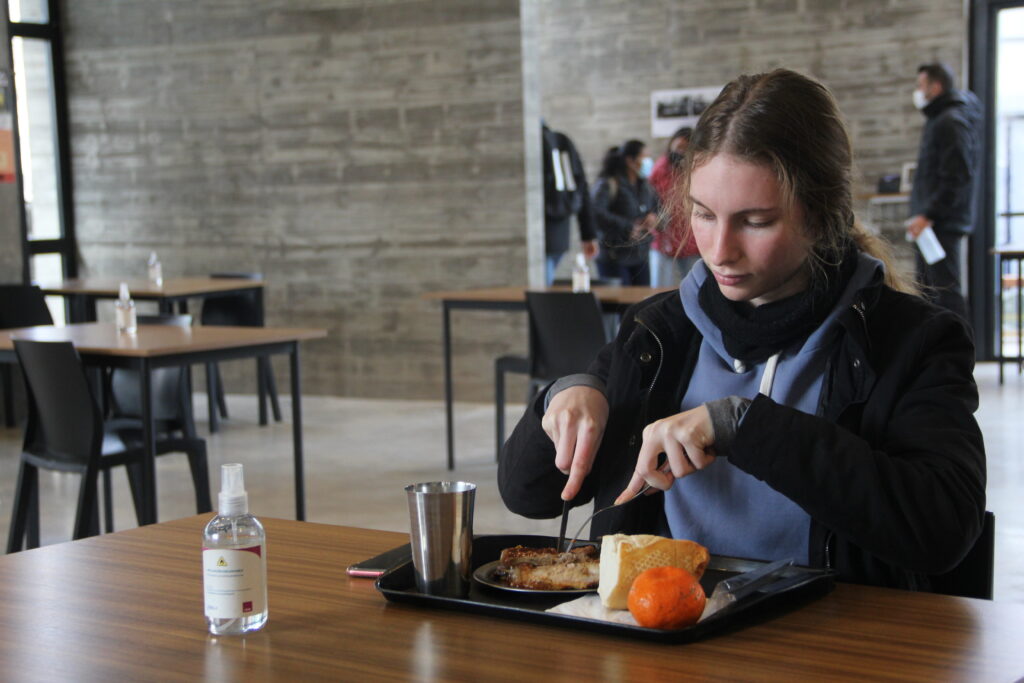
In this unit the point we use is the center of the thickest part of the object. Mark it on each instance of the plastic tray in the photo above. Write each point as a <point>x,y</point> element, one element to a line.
<point>794,587</point>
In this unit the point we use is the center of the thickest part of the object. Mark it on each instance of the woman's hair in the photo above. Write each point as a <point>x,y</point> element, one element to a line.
<point>614,163</point>
<point>791,124</point>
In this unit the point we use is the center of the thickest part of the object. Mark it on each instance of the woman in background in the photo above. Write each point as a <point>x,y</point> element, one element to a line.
<point>625,208</point>
<point>673,250</point>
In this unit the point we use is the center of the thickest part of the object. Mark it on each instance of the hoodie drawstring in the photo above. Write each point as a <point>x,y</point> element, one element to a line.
<point>768,377</point>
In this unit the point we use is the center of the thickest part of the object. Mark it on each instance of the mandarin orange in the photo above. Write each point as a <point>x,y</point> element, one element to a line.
<point>666,597</point>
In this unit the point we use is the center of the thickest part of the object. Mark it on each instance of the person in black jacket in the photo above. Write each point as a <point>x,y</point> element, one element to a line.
<point>626,208</point>
<point>807,403</point>
<point>565,195</point>
<point>944,181</point>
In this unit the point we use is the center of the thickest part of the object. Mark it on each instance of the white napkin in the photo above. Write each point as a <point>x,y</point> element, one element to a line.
<point>590,607</point>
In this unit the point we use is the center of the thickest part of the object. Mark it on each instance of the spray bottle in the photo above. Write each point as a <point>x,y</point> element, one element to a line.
<point>581,274</point>
<point>234,561</point>
<point>155,270</point>
<point>124,311</point>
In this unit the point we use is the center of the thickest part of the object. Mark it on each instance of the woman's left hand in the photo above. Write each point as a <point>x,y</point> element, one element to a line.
<point>687,439</point>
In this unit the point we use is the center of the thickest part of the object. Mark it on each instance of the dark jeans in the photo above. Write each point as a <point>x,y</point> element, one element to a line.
<point>941,281</point>
<point>640,274</point>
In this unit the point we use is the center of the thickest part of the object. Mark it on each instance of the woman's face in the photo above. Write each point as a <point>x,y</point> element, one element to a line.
<point>754,246</point>
<point>637,162</point>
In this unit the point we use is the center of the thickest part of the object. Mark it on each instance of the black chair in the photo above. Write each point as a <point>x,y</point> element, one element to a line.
<point>20,306</point>
<point>972,578</point>
<point>66,432</point>
<point>566,332</point>
<point>244,309</point>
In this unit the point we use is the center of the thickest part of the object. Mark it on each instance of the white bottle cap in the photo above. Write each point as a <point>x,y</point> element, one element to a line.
<point>152,258</point>
<point>581,260</point>
<point>233,500</point>
<point>122,293</point>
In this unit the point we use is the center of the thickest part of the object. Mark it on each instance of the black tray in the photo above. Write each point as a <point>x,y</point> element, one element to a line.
<point>795,586</point>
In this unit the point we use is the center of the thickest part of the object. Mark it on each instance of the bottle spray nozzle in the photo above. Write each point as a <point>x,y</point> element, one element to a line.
<point>581,260</point>
<point>233,499</point>
<point>122,292</point>
<point>153,260</point>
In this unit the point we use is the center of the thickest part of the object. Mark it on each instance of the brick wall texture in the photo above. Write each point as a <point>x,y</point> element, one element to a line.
<point>359,153</point>
<point>356,153</point>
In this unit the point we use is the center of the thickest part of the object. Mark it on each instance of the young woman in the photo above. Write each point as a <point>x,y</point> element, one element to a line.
<point>625,210</point>
<point>805,405</point>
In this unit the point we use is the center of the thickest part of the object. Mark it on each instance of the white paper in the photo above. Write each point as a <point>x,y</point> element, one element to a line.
<point>590,607</point>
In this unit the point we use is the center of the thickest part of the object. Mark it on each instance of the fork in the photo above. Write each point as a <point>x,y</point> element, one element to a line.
<point>587,521</point>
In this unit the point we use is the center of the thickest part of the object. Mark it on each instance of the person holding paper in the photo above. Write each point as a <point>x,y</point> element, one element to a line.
<point>943,193</point>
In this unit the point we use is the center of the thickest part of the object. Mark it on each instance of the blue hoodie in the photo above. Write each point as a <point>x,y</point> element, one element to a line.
<point>721,506</point>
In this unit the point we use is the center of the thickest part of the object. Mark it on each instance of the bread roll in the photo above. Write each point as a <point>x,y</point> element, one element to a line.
<point>623,557</point>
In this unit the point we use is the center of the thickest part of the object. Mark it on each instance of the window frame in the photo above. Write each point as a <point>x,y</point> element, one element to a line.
<point>67,244</point>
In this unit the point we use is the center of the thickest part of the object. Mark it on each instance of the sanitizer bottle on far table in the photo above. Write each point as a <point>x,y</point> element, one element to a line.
<point>124,311</point>
<point>581,274</point>
<point>234,561</point>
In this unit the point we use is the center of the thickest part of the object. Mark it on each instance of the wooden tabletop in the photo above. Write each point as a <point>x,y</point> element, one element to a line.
<point>128,606</point>
<point>1008,250</point>
<point>157,340</point>
<point>613,295</point>
<point>142,288</point>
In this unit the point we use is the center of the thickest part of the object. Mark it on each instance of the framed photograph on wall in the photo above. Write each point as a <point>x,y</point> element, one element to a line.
<point>907,176</point>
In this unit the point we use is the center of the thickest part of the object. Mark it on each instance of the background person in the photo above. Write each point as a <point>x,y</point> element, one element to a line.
<point>944,182</point>
<point>565,195</point>
<point>626,209</point>
<point>673,249</point>
<point>808,407</point>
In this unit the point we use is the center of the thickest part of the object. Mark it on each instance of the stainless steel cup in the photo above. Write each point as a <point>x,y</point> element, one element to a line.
<point>441,533</point>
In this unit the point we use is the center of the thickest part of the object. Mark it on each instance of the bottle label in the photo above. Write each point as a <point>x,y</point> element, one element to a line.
<point>233,582</point>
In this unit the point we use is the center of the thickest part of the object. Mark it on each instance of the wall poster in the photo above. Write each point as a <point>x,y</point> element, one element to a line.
<point>673,109</point>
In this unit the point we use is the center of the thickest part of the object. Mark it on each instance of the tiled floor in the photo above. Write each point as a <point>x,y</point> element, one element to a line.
<point>361,453</point>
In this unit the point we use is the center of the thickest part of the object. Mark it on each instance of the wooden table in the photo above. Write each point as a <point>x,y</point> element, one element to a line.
<point>128,606</point>
<point>160,346</point>
<point>176,290</point>
<point>612,299</point>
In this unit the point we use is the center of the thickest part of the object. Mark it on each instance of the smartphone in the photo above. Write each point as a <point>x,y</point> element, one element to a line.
<point>375,566</point>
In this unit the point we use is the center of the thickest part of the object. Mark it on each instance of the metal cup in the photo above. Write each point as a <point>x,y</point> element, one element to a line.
<point>441,533</point>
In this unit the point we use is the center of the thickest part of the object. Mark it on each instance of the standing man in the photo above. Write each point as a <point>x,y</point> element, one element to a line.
<point>943,192</point>
<point>565,194</point>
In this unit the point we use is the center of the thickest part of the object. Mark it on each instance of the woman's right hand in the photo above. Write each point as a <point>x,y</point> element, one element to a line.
<point>575,421</point>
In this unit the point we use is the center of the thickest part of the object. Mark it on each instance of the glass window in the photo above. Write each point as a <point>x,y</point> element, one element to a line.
<point>29,11</point>
<point>50,268</point>
<point>37,129</point>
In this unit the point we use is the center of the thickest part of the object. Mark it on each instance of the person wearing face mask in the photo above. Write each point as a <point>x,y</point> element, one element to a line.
<point>626,210</point>
<point>806,401</point>
<point>944,181</point>
<point>671,255</point>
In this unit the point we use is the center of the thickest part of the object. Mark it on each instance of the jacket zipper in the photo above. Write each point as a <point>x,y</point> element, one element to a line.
<point>661,355</point>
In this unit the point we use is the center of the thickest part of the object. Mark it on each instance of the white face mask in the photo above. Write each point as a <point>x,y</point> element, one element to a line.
<point>920,99</point>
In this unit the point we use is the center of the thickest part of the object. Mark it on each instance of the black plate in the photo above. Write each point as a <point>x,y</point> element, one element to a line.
<point>795,586</point>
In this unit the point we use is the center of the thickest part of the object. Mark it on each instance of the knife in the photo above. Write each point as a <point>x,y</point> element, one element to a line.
<point>735,588</point>
<point>566,506</point>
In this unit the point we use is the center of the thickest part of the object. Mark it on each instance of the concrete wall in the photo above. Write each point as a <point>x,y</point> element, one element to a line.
<point>602,59</point>
<point>357,153</point>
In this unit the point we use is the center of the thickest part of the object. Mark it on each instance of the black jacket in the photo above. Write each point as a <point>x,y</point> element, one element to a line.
<point>947,163</point>
<point>617,205</point>
<point>565,195</point>
<point>892,472</point>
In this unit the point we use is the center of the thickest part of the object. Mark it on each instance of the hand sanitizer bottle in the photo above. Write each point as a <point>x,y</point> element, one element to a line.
<point>156,271</point>
<point>234,561</point>
<point>124,311</point>
<point>581,274</point>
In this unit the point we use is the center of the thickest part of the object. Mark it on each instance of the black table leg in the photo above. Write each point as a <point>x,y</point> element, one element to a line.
<point>211,397</point>
<point>149,512</point>
<point>446,336</point>
<point>300,486</point>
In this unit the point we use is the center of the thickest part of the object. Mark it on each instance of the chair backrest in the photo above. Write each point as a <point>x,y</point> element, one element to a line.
<point>64,421</point>
<point>23,306</point>
<point>241,308</point>
<point>566,332</point>
<point>168,384</point>
<point>972,578</point>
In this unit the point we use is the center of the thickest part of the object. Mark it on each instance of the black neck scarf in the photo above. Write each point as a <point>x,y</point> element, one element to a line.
<point>752,334</point>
